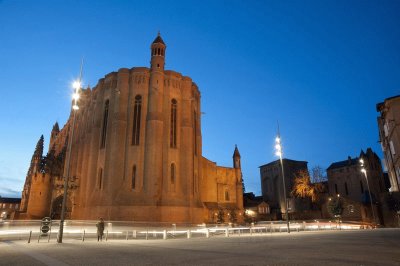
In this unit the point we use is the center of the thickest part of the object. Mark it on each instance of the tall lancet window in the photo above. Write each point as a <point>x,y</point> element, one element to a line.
<point>173,123</point>
<point>133,185</point>
<point>173,174</point>
<point>195,132</point>
<point>105,121</point>
<point>136,120</point>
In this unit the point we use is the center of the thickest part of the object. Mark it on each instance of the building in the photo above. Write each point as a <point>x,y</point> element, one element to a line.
<point>346,179</point>
<point>389,135</point>
<point>256,209</point>
<point>272,183</point>
<point>136,154</point>
<point>8,207</point>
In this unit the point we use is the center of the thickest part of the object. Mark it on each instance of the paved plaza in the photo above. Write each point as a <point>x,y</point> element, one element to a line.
<point>358,247</point>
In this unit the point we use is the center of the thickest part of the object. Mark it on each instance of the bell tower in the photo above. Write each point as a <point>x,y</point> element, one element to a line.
<point>158,48</point>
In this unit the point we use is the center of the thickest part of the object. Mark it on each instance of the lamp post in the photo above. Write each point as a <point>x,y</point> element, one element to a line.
<point>278,152</point>
<point>364,171</point>
<point>77,87</point>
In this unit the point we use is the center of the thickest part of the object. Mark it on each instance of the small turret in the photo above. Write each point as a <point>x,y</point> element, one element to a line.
<point>54,133</point>
<point>236,158</point>
<point>158,48</point>
<point>37,156</point>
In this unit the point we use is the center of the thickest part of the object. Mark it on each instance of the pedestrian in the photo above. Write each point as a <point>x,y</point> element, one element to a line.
<point>100,229</point>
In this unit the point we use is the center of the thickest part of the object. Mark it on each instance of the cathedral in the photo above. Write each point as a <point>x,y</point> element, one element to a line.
<point>136,155</point>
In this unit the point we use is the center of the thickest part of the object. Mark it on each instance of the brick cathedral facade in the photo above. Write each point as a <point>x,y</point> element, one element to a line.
<point>136,155</point>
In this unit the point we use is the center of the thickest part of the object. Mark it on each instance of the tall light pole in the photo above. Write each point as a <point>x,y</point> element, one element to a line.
<point>77,87</point>
<point>364,171</point>
<point>279,152</point>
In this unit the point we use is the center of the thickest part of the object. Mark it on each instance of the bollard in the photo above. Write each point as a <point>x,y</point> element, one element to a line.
<point>39,236</point>
<point>165,234</point>
<point>280,230</point>
<point>239,232</point>
<point>134,234</point>
<point>127,232</point>
<point>298,229</point>
<point>48,238</point>
<point>189,234</point>
<point>207,233</point>
<point>147,234</point>
<point>107,235</point>
<point>83,236</point>
<point>251,231</point>
<point>226,232</point>
<point>266,230</point>
<point>30,235</point>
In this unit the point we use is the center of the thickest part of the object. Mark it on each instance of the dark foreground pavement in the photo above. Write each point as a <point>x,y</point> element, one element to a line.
<point>362,247</point>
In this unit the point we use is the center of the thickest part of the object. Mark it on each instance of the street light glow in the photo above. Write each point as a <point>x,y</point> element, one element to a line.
<point>76,85</point>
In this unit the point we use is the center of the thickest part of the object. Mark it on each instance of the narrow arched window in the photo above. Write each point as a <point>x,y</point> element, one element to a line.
<point>173,123</point>
<point>195,132</point>
<point>100,179</point>
<point>133,185</point>
<point>226,195</point>
<point>105,121</point>
<point>136,120</point>
<point>173,174</point>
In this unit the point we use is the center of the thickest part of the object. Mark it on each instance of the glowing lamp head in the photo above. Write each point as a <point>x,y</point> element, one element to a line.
<point>278,147</point>
<point>278,140</point>
<point>76,85</point>
<point>363,171</point>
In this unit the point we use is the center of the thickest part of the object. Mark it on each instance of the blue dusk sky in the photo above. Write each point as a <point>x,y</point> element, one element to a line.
<point>317,67</point>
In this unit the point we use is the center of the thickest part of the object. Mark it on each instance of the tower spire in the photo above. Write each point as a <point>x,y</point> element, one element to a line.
<point>158,48</point>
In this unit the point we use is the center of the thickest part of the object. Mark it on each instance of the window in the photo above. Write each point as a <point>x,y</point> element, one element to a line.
<point>173,174</point>
<point>105,121</point>
<point>346,189</point>
<point>100,179</point>
<point>392,148</point>
<point>226,195</point>
<point>136,120</point>
<point>195,132</point>
<point>133,184</point>
<point>336,190</point>
<point>173,124</point>
<point>362,187</point>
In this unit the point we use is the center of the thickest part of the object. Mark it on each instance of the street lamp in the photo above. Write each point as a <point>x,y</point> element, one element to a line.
<point>77,87</point>
<point>364,171</point>
<point>279,152</point>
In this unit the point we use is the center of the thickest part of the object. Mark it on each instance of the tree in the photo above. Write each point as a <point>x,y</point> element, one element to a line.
<point>335,206</point>
<point>303,188</point>
<point>318,174</point>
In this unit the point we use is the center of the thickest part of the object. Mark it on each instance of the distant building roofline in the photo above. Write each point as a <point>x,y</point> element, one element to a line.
<point>284,159</point>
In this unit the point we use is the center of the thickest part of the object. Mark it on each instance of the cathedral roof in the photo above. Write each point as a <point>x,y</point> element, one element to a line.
<point>158,39</point>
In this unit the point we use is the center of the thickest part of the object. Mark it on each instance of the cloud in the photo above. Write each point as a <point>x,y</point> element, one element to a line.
<point>8,192</point>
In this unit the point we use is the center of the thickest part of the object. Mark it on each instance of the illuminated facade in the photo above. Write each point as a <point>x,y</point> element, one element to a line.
<point>136,154</point>
<point>389,134</point>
